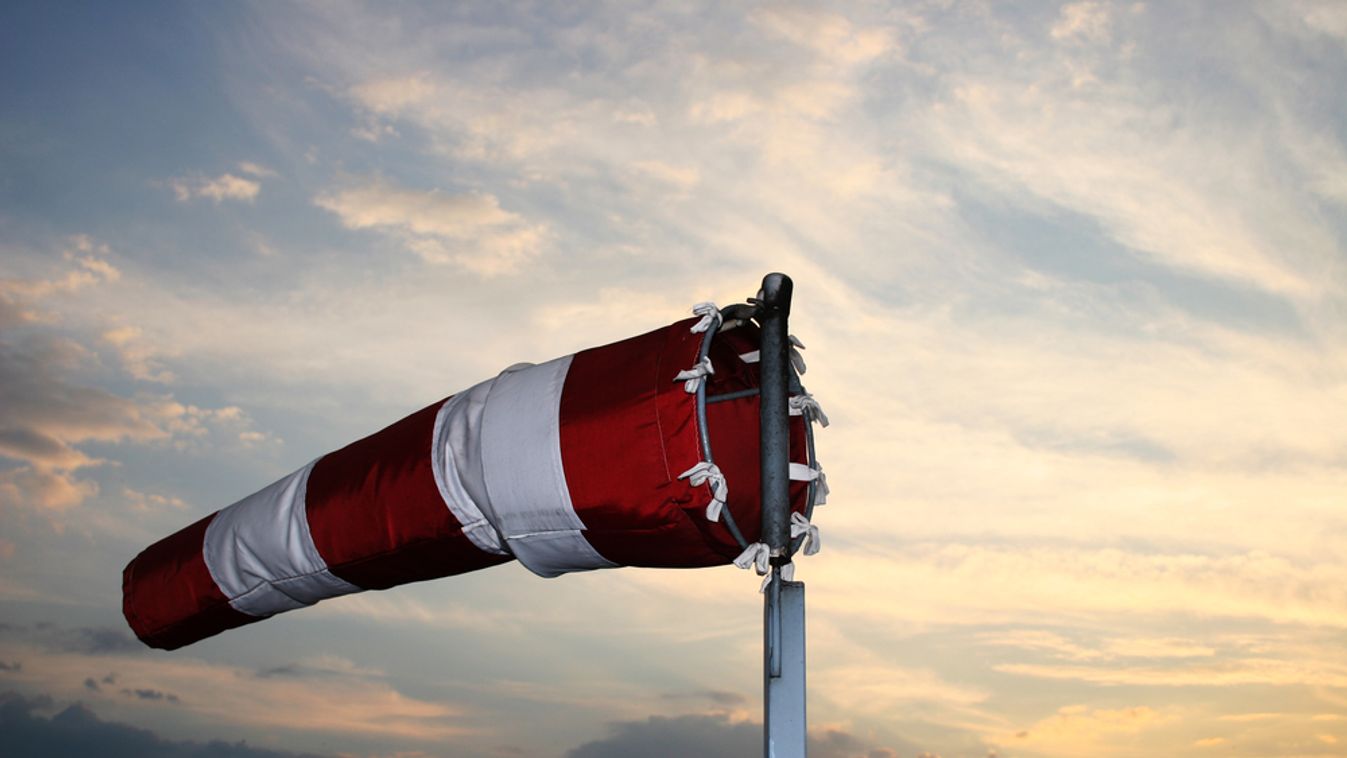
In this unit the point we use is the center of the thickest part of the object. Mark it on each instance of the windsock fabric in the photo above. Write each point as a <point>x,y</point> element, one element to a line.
<point>568,465</point>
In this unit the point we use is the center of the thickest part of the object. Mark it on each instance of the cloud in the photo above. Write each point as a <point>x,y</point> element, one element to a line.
<point>94,685</point>
<point>1086,20</point>
<point>1072,129</point>
<point>51,490</point>
<point>19,297</point>
<point>962,583</point>
<point>138,358</point>
<point>468,229</point>
<point>1232,673</point>
<point>148,694</point>
<point>256,169</point>
<point>876,688</point>
<point>145,501</point>
<point>83,640</point>
<point>76,730</point>
<point>711,736</point>
<point>1080,730</point>
<point>1113,648</point>
<point>46,413</point>
<point>351,699</point>
<point>41,415</point>
<point>680,177</point>
<point>831,36</point>
<point>395,94</point>
<point>320,667</point>
<point>217,189</point>
<point>42,418</point>
<point>717,697</point>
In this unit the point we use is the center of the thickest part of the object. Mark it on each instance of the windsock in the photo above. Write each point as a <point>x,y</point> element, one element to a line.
<point>594,460</point>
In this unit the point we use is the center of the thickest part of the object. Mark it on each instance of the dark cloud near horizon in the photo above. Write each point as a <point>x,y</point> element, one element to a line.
<point>76,731</point>
<point>80,639</point>
<point>288,669</point>
<point>89,640</point>
<point>149,694</point>
<point>717,697</point>
<point>715,736</point>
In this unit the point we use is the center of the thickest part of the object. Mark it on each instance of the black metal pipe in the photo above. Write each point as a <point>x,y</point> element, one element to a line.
<point>774,413</point>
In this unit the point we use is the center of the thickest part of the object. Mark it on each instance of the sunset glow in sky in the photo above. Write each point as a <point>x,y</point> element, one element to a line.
<point>1072,277</point>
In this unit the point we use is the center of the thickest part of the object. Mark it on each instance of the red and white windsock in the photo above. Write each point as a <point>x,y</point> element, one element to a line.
<point>592,460</point>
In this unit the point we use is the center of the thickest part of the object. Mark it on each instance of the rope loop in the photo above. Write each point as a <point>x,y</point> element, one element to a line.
<point>692,378</point>
<point>799,525</point>
<point>806,402</point>
<point>710,314</point>
<point>706,472</point>
<point>756,556</point>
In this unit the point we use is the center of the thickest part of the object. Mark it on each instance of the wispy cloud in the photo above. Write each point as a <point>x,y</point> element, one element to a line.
<point>469,229</point>
<point>137,357</point>
<point>76,729</point>
<point>48,408</point>
<point>1080,730</point>
<point>239,698</point>
<point>216,189</point>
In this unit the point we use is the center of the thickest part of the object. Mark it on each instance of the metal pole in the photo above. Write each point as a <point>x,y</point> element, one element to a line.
<point>774,413</point>
<point>784,725</point>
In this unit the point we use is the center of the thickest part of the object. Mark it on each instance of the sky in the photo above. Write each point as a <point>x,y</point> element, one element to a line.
<point>1072,278</point>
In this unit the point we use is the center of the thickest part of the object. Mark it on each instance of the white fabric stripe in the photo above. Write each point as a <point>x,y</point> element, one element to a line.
<point>456,461</point>
<point>529,501</point>
<point>752,356</point>
<point>261,555</point>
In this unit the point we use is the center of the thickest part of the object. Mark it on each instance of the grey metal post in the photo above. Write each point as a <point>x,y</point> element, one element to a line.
<point>784,725</point>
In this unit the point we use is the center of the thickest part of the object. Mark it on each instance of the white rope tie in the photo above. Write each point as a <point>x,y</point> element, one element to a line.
<point>692,378</point>
<point>756,556</point>
<point>759,558</point>
<point>799,525</point>
<point>706,472</point>
<point>710,314</point>
<point>796,359</point>
<point>799,403</point>
<point>800,472</point>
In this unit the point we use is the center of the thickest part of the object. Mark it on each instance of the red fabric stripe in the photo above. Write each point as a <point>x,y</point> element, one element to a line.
<point>169,597</point>
<point>628,430</point>
<point>377,517</point>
